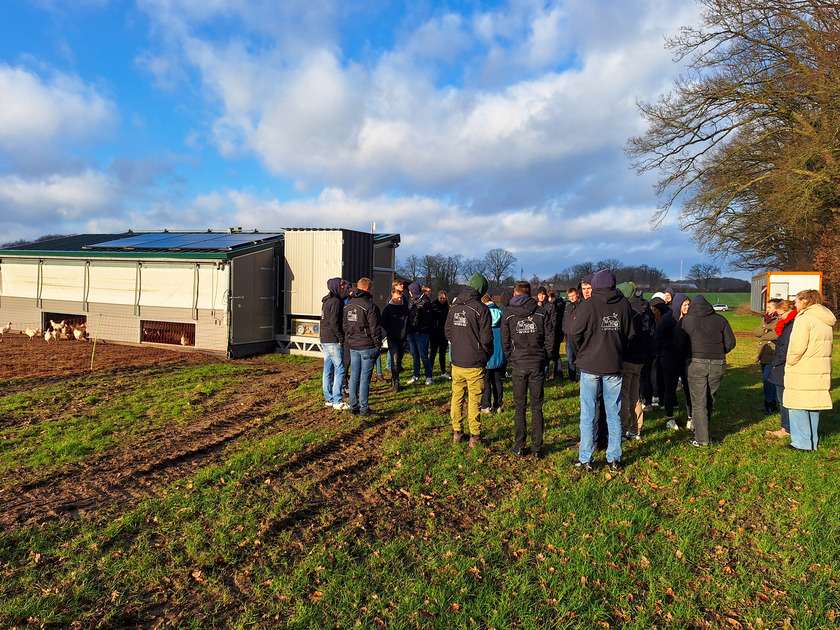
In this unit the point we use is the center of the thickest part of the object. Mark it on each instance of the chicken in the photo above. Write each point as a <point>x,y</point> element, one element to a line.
<point>5,329</point>
<point>50,335</point>
<point>80,333</point>
<point>30,332</point>
<point>184,341</point>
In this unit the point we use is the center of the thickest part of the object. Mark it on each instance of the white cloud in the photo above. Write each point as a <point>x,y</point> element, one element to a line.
<point>55,202</point>
<point>37,114</point>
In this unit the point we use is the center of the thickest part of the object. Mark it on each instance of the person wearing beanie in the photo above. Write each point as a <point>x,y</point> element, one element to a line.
<point>470,333</point>
<point>710,339</point>
<point>331,332</point>
<point>421,321</point>
<point>527,338</point>
<point>601,330</point>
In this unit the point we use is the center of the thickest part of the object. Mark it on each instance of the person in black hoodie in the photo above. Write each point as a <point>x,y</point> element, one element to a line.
<point>679,307</point>
<point>559,311</point>
<point>364,337</point>
<point>420,323</point>
<point>600,332</point>
<point>575,300</point>
<point>395,325</point>
<point>331,332</point>
<point>710,339</point>
<point>470,333</point>
<point>437,339</point>
<point>632,413</point>
<point>527,333</point>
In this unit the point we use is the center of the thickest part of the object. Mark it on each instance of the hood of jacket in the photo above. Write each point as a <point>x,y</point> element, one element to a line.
<point>414,290</point>
<point>700,307</point>
<point>820,313</point>
<point>523,304</point>
<point>334,287</point>
<point>609,296</point>
<point>676,304</point>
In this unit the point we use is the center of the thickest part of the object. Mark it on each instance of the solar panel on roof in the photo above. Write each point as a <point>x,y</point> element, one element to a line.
<point>138,240</point>
<point>195,241</point>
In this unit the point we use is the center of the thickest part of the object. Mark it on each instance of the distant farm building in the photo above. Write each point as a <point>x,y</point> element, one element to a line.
<point>780,284</point>
<point>234,293</point>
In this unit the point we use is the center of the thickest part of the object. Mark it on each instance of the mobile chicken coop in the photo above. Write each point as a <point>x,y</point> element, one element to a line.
<point>780,284</point>
<point>233,292</point>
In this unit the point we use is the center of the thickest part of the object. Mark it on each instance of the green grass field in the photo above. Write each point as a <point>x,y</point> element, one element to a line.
<point>414,532</point>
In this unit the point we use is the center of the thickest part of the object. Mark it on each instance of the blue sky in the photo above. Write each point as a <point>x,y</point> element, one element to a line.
<point>464,126</point>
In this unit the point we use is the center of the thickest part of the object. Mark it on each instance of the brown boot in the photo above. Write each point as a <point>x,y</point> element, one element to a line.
<point>475,440</point>
<point>457,436</point>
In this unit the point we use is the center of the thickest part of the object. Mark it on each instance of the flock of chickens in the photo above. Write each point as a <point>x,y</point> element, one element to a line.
<point>56,331</point>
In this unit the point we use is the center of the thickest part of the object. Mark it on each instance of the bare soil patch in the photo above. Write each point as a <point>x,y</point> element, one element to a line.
<point>22,357</point>
<point>142,466</point>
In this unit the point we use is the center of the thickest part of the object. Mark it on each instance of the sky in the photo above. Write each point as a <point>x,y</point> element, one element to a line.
<point>462,125</point>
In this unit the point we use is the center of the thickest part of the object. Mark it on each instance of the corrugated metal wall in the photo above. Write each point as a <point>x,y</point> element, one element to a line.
<point>312,258</point>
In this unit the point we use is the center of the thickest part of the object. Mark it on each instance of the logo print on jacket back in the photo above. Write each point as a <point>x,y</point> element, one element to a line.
<point>459,319</point>
<point>610,323</point>
<point>352,315</point>
<point>526,326</point>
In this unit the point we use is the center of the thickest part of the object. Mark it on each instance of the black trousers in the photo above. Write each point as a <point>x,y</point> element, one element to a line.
<point>528,380</point>
<point>493,388</point>
<point>437,349</point>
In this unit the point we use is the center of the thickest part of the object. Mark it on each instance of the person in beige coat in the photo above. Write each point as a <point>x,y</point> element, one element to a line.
<point>808,369</point>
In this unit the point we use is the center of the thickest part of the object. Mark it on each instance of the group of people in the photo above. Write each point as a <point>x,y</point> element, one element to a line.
<point>629,355</point>
<point>796,340</point>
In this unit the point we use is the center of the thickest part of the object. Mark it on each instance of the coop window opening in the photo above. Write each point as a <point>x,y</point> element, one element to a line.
<point>172,333</point>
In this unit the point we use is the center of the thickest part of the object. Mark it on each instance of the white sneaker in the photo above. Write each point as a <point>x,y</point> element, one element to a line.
<point>342,406</point>
<point>671,424</point>
<point>412,380</point>
<point>486,410</point>
<point>446,376</point>
<point>430,381</point>
<point>328,404</point>
<point>690,425</point>
<point>654,402</point>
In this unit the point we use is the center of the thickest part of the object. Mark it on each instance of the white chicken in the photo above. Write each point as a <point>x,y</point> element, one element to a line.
<point>50,335</point>
<point>31,332</point>
<point>5,329</point>
<point>80,333</point>
<point>184,341</point>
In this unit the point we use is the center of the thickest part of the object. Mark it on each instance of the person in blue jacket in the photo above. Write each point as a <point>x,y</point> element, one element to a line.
<point>491,401</point>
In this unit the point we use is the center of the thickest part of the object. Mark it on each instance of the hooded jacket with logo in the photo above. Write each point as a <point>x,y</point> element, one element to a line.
<point>600,330</point>
<point>332,305</point>
<point>362,322</point>
<point>527,333</point>
<point>469,330</point>
<point>709,334</point>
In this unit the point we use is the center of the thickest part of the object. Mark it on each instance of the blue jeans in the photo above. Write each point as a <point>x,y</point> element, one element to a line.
<point>361,369</point>
<point>769,388</point>
<point>334,371</point>
<point>803,429</point>
<point>780,394</point>
<point>418,345</point>
<point>591,385</point>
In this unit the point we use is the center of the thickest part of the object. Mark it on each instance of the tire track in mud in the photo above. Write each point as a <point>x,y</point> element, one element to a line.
<point>135,471</point>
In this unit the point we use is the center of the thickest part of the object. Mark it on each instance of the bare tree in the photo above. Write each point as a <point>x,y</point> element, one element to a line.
<point>498,262</point>
<point>411,268</point>
<point>747,139</point>
<point>702,274</point>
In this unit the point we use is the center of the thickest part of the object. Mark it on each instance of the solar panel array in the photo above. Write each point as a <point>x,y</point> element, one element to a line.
<point>199,241</point>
